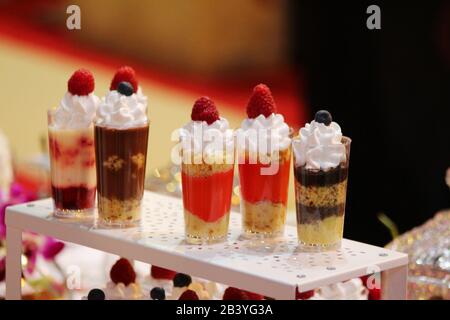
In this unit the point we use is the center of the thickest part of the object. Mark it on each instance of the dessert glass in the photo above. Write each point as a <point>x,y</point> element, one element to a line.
<point>207,190</point>
<point>72,166</point>
<point>264,197</point>
<point>121,158</point>
<point>320,204</point>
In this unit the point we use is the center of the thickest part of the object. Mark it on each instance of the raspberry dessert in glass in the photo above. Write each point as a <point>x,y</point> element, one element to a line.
<point>207,149</point>
<point>121,136</point>
<point>264,152</point>
<point>321,159</point>
<point>71,146</point>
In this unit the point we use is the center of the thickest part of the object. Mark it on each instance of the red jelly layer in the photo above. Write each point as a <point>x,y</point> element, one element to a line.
<point>208,197</point>
<point>74,198</point>
<point>256,187</point>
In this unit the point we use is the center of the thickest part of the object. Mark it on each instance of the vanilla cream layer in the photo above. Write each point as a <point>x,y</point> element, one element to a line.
<point>72,157</point>
<point>324,232</point>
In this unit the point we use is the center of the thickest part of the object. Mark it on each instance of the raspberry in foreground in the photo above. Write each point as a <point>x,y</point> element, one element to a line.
<point>189,295</point>
<point>304,295</point>
<point>122,272</point>
<point>81,83</point>
<point>124,74</point>
<point>261,102</point>
<point>204,110</point>
<point>162,273</point>
<point>235,294</point>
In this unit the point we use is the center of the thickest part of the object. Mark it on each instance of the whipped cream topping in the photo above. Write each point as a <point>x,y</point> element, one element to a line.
<point>213,142</point>
<point>272,132</point>
<point>119,291</point>
<point>348,290</point>
<point>121,112</point>
<point>75,112</point>
<point>319,146</point>
<point>205,290</point>
<point>141,97</point>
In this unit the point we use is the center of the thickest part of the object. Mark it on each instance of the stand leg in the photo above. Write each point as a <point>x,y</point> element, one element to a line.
<point>394,283</point>
<point>13,264</point>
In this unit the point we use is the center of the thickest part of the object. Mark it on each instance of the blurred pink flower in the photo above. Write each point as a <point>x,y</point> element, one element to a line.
<point>2,269</point>
<point>17,194</point>
<point>30,250</point>
<point>51,248</point>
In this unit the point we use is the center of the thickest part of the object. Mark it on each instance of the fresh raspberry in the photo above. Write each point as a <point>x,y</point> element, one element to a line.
<point>304,295</point>
<point>235,294</point>
<point>124,74</point>
<point>81,83</point>
<point>189,295</point>
<point>204,110</point>
<point>374,294</point>
<point>261,102</point>
<point>122,271</point>
<point>161,273</point>
<point>253,296</point>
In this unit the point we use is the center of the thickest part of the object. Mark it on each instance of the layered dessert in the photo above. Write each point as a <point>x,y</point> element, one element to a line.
<point>121,136</point>
<point>123,284</point>
<point>71,145</point>
<point>321,156</point>
<point>207,150</point>
<point>264,149</point>
<point>159,278</point>
<point>187,288</point>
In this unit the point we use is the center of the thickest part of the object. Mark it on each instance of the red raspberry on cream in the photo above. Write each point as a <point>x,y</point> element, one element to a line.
<point>124,74</point>
<point>122,272</point>
<point>81,83</point>
<point>204,110</point>
<point>261,102</point>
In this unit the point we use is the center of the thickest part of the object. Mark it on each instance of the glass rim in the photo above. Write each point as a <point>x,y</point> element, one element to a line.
<point>345,140</point>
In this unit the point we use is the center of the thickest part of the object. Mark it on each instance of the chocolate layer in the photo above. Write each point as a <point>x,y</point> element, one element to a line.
<point>308,177</point>
<point>307,214</point>
<point>121,157</point>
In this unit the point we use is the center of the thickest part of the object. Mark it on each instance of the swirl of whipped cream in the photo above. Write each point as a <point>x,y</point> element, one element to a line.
<point>141,97</point>
<point>121,292</point>
<point>75,112</point>
<point>119,111</point>
<point>319,146</point>
<point>212,141</point>
<point>271,130</point>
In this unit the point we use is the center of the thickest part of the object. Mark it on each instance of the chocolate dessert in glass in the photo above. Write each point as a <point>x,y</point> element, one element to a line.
<point>71,148</point>
<point>121,136</point>
<point>263,172</point>
<point>321,160</point>
<point>207,150</point>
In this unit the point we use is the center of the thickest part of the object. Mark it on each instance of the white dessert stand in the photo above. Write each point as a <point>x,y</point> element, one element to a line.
<point>275,268</point>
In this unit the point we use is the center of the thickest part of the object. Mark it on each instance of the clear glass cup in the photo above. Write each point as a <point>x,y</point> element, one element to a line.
<point>121,159</point>
<point>72,167</point>
<point>320,204</point>
<point>264,194</point>
<point>207,191</point>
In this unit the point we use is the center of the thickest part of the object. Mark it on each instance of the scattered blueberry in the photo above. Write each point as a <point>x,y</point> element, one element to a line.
<point>96,294</point>
<point>158,293</point>
<point>182,280</point>
<point>125,88</point>
<point>323,116</point>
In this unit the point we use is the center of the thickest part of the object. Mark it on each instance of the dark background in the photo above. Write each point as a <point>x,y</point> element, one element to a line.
<point>389,90</point>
